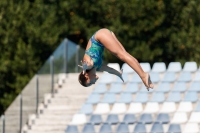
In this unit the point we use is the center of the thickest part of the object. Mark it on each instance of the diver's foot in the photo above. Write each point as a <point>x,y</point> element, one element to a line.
<point>147,81</point>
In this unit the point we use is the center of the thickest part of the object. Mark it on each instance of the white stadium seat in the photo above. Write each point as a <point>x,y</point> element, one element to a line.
<point>102,108</point>
<point>185,107</point>
<point>168,107</point>
<point>159,67</point>
<point>191,128</point>
<point>151,107</point>
<point>195,117</point>
<point>118,108</point>
<point>135,108</point>
<point>179,118</point>
<point>78,119</point>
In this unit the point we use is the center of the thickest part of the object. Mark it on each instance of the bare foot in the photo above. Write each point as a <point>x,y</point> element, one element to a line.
<point>147,81</point>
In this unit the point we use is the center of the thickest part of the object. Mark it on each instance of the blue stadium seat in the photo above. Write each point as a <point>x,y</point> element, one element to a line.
<point>125,98</point>
<point>185,77</point>
<point>146,119</point>
<point>127,69</point>
<point>122,128</point>
<point>71,129</point>
<point>174,97</point>
<point>100,88</point>
<point>157,128</point>
<point>93,98</point>
<point>88,128</point>
<point>163,87</point>
<point>159,67</point>
<point>145,66</point>
<point>197,76</point>
<point>112,119</point>
<point>154,77</point>
<point>95,119</point>
<point>162,118</point>
<point>125,77</point>
<point>140,128</point>
<point>174,67</point>
<point>180,87</point>
<point>190,66</point>
<point>116,88</point>
<point>195,86</point>
<point>197,108</point>
<point>158,97</point>
<point>174,128</point>
<point>105,128</point>
<point>109,98</point>
<point>141,97</point>
<point>129,119</point>
<point>169,77</point>
<point>136,78</point>
<point>86,109</point>
<point>144,89</point>
<point>191,96</point>
<point>131,87</point>
<point>106,78</point>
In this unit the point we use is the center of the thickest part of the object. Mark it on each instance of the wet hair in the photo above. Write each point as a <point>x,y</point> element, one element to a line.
<point>82,79</point>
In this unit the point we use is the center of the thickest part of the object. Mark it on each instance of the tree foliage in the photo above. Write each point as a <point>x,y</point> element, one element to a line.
<point>151,31</point>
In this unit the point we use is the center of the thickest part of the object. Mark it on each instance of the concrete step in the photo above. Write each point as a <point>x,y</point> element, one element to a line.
<point>35,131</point>
<point>55,127</point>
<point>51,122</point>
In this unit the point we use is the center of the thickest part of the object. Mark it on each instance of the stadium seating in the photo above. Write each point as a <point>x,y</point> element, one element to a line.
<point>162,118</point>
<point>88,128</point>
<point>127,69</point>
<point>190,67</point>
<point>131,87</point>
<point>145,66</point>
<point>169,77</point>
<point>180,87</point>
<point>122,128</point>
<point>100,88</point>
<point>112,119</point>
<point>159,67</point>
<point>109,98</point>
<point>129,119</point>
<point>96,119</point>
<point>173,105</point>
<point>174,67</point>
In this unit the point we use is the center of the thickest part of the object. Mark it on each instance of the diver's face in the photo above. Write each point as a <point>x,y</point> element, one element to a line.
<point>91,78</point>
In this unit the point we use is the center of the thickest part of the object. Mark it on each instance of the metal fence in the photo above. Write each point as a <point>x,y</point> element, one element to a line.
<point>65,59</point>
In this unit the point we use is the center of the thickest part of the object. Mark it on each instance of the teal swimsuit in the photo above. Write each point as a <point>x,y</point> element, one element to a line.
<point>96,52</point>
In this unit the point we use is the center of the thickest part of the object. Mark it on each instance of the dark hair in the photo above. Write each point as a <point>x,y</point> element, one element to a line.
<point>82,79</point>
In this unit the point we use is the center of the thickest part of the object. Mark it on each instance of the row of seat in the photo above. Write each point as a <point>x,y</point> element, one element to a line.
<point>151,107</point>
<point>160,67</point>
<point>134,87</point>
<point>145,118</point>
<point>143,97</point>
<point>168,77</point>
<point>139,128</point>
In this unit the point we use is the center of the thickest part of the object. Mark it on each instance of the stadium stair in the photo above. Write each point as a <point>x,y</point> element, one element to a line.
<point>56,112</point>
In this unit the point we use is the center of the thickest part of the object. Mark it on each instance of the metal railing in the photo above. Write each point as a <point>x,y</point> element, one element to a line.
<point>65,59</point>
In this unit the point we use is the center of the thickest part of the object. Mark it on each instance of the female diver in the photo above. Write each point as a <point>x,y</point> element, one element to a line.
<point>92,60</point>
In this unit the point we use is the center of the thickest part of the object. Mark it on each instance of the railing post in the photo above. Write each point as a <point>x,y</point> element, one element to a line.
<point>3,124</point>
<point>77,57</point>
<point>52,75</point>
<point>20,120</point>
<point>65,56</point>
<point>37,93</point>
